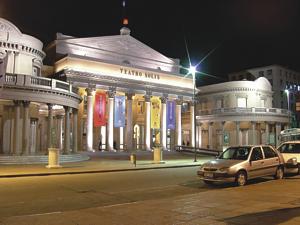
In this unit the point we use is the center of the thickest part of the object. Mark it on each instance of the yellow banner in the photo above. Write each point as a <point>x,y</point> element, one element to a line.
<point>155,113</point>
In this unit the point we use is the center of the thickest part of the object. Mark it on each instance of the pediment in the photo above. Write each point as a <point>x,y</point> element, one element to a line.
<point>121,45</point>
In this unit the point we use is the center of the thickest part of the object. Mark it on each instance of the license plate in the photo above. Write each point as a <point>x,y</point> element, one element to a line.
<point>209,175</point>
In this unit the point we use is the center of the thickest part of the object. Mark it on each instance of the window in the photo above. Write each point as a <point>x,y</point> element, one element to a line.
<point>242,102</point>
<point>261,73</point>
<point>219,104</point>
<point>281,82</point>
<point>262,103</point>
<point>36,71</point>
<point>256,154</point>
<point>269,72</point>
<point>269,153</point>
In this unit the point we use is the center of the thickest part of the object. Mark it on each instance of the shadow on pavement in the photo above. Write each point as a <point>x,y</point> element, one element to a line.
<point>272,217</point>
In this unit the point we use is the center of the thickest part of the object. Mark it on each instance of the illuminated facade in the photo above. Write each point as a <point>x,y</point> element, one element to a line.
<point>239,113</point>
<point>120,67</point>
<point>30,105</point>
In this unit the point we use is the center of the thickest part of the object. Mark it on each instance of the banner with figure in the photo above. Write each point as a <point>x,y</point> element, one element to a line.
<point>119,112</point>
<point>171,115</point>
<point>155,113</point>
<point>3,65</point>
<point>100,109</point>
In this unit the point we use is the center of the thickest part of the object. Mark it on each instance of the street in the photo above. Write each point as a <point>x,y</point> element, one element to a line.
<point>161,196</point>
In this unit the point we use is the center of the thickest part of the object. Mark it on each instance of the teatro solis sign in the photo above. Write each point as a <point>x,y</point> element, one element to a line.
<point>139,73</point>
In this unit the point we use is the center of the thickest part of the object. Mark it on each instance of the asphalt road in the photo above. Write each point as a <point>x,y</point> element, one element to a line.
<point>38,195</point>
<point>161,196</point>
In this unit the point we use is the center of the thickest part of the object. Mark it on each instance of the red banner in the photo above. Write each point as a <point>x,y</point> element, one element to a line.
<point>100,109</point>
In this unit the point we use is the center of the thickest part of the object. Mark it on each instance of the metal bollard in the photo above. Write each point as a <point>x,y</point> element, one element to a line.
<point>133,159</point>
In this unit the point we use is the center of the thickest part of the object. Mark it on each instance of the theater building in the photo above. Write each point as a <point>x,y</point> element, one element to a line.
<point>108,93</point>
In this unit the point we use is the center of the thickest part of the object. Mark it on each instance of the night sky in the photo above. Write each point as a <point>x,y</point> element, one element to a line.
<point>244,34</point>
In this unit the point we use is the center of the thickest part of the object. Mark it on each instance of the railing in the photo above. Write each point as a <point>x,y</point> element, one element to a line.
<point>39,82</point>
<point>205,151</point>
<point>226,111</point>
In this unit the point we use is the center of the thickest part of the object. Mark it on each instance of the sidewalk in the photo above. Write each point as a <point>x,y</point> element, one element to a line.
<point>101,162</point>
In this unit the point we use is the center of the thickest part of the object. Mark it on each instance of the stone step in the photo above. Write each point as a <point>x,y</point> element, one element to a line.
<point>41,159</point>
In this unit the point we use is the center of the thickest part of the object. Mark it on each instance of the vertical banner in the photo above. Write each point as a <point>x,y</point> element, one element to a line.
<point>119,111</point>
<point>171,120</point>
<point>155,113</point>
<point>100,109</point>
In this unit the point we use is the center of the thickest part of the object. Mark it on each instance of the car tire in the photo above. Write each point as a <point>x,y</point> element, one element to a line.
<point>279,173</point>
<point>241,178</point>
<point>298,169</point>
<point>208,182</point>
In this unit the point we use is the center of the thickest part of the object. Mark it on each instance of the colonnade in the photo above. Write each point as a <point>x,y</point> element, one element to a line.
<point>252,135</point>
<point>129,120</point>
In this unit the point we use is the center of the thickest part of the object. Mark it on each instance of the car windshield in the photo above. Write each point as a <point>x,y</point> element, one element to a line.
<point>236,153</point>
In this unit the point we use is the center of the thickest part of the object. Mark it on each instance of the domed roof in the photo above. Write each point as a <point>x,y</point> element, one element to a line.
<point>8,27</point>
<point>262,83</point>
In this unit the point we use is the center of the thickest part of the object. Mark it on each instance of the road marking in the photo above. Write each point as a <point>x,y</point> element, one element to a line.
<point>121,204</point>
<point>39,214</point>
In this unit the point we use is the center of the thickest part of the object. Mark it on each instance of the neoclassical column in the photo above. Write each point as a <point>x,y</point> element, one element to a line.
<point>110,122</point>
<point>129,126</point>
<point>253,125</point>
<point>192,124</point>
<point>74,132</point>
<point>147,124</point>
<point>199,135</point>
<point>278,129</point>
<point>26,127</point>
<point>50,126</point>
<point>67,130</point>
<point>223,133</point>
<point>89,118</point>
<point>178,121</point>
<point>17,138</point>
<point>237,124</point>
<point>267,133</point>
<point>59,119</point>
<point>210,134</point>
<point>163,124</point>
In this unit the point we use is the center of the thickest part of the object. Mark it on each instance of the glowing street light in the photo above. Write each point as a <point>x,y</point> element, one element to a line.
<point>193,70</point>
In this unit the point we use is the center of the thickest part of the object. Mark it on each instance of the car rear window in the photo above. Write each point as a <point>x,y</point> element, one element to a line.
<point>290,148</point>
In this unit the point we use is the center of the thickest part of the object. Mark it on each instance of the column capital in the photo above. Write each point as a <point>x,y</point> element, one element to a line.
<point>74,111</point>
<point>67,109</point>
<point>111,93</point>
<point>223,123</point>
<point>163,99</point>
<point>89,90</point>
<point>179,101</point>
<point>129,95</point>
<point>26,103</point>
<point>50,106</point>
<point>17,102</point>
<point>211,123</point>
<point>147,98</point>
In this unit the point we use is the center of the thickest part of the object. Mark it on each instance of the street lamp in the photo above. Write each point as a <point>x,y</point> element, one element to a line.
<point>288,98</point>
<point>193,70</point>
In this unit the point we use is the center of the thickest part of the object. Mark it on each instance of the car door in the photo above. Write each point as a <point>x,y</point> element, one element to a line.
<point>271,160</point>
<point>256,164</point>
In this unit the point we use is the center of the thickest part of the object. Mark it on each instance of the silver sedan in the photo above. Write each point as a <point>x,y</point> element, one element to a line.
<point>241,163</point>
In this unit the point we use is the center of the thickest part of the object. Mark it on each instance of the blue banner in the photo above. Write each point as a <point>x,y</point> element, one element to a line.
<point>119,113</point>
<point>171,115</point>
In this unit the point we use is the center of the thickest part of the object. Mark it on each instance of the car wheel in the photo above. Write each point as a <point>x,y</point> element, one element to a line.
<point>279,173</point>
<point>208,182</point>
<point>241,178</point>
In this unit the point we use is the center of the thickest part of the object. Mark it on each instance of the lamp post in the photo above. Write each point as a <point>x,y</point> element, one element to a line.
<point>288,104</point>
<point>192,70</point>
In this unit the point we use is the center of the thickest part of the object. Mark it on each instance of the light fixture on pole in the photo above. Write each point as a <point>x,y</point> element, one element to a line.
<point>288,104</point>
<point>193,70</point>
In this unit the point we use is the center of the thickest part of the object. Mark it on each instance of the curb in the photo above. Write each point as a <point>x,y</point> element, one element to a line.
<point>91,171</point>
